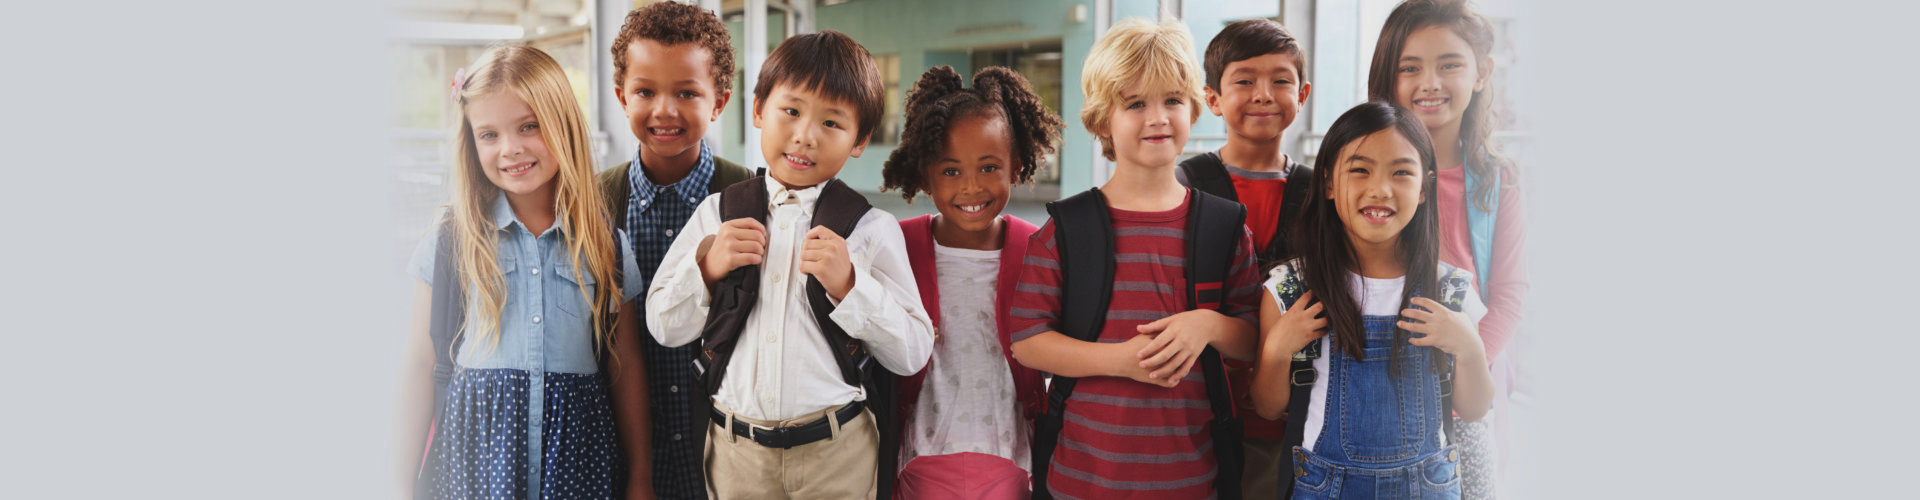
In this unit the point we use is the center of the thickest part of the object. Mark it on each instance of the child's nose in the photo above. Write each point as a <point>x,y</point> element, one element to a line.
<point>1263,93</point>
<point>663,108</point>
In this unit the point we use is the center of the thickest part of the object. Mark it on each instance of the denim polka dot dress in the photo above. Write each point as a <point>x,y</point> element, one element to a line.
<point>491,441</point>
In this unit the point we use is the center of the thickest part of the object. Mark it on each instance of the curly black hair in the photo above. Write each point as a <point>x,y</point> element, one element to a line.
<point>938,99</point>
<point>674,23</point>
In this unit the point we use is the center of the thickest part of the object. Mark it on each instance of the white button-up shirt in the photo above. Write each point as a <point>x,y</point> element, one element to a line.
<point>782,367</point>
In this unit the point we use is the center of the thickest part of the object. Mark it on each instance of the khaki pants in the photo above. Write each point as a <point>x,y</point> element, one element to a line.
<point>835,468</point>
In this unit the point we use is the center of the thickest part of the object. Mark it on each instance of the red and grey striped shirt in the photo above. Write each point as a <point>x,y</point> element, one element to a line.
<point>1122,438</point>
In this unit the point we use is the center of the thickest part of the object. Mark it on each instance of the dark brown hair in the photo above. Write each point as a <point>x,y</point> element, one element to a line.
<point>832,64</point>
<point>1321,241</point>
<point>1248,39</point>
<point>938,99</point>
<point>674,23</point>
<point>1482,153</point>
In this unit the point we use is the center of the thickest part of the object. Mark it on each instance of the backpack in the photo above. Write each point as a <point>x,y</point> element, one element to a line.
<point>1084,234</point>
<point>1209,175</point>
<point>1301,375</point>
<point>448,314</point>
<point>838,209</point>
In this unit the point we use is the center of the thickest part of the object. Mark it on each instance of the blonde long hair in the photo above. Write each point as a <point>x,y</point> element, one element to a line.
<point>580,214</point>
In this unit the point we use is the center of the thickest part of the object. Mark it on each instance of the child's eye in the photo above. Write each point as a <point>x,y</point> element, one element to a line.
<point>643,92</point>
<point>1243,82</point>
<point>486,136</point>
<point>831,124</point>
<point>950,172</point>
<point>1136,105</point>
<point>990,169</point>
<point>1173,101</point>
<point>687,94</point>
<point>1451,66</point>
<point>790,111</point>
<point>529,127</point>
<point>1409,69</point>
<point>1357,170</point>
<point>1282,82</point>
<point>1408,173</point>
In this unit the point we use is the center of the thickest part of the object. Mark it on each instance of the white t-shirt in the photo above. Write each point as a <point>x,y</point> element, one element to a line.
<point>967,403</point>
<point>1377,297</point>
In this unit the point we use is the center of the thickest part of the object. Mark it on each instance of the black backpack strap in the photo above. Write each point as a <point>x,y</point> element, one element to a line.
<point>1083,230</point>
<point>1300,378</point>
<point>1208,173</point>
<point>1214,228</point>
<point>448,311</point>
<point>734,295</point>
<point>1299,177</point>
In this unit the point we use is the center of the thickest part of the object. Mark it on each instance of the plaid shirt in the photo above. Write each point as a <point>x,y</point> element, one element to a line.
<point>654,215</point>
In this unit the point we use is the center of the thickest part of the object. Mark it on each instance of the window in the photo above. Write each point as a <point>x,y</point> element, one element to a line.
<point>893,119</point>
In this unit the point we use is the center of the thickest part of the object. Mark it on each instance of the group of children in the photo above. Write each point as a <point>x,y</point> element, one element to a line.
<point>1239,324</point>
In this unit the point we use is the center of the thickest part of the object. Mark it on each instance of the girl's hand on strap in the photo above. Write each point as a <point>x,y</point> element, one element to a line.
<point>1301,325</point>
<point>1445,329</point>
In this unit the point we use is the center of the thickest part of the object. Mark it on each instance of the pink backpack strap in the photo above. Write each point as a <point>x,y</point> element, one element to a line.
<point>1028,387</point>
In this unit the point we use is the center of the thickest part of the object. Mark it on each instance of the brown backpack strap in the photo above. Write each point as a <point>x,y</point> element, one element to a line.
<point>839,209</point>
<point>734,295</point>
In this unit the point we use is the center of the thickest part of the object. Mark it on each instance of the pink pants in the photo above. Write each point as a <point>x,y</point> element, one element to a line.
<point>962,475</point>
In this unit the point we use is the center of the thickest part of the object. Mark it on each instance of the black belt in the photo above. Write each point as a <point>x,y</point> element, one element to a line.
<point>788,437</point>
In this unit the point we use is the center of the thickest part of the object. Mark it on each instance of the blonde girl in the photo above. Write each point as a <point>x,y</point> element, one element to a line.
<point>532,270</point>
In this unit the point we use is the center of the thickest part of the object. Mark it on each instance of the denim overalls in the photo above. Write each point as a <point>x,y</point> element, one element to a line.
<point>1381,435</point>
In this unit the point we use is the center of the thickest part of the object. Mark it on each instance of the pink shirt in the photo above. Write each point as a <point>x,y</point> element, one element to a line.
<point>1508,284</point>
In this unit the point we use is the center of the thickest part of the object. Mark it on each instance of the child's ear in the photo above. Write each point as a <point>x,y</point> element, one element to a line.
<point>1305,88</point>
<point>1486,74</point>
<point>719,104</point>
<point>1213,102</point>
<point>756,112</point>
<point>621,94</point>
<point>861,147</point>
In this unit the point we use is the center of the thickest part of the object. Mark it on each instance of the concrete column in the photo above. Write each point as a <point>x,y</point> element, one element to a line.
<point>756,53</point>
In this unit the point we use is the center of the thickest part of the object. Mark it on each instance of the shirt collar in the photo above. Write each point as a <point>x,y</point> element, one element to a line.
<point>691,188</point>
<point>502,212</point>
<point>778,194</point>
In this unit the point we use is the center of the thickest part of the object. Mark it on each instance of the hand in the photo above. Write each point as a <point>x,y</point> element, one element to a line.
<point>1444,329</point>
<point>1178,341</point>
<point>1301,325</point>
<point>825,258</point>
<point>739,242</point>
<point>1132,368</point>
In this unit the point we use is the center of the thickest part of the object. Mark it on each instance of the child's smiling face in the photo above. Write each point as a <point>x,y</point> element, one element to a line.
<point>805,136</point>
<point>512,153</point>
<point>1436,76</point>
<point>669,97</point>
<point>1376,188</point>
<point>970,180</point>
<point>1260,96</point>
<point>1149,125</point>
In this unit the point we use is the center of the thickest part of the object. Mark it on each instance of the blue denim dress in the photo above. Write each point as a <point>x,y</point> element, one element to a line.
<point>1381,436</point>
<point>490,441</point>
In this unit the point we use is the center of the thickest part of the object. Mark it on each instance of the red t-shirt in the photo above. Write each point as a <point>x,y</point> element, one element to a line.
<point>1262,198</point>
<point>1122,438</point>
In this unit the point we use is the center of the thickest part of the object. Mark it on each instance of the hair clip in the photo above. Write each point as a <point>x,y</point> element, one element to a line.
<point>459,84</point>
